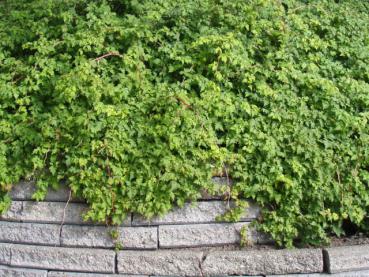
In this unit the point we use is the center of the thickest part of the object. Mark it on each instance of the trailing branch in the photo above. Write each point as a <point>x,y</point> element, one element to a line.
<point>108,55</point>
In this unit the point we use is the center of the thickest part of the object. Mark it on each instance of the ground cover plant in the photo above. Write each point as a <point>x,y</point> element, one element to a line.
<point>137,104</point>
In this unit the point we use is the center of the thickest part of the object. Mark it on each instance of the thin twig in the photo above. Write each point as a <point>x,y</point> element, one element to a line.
<point>339,182</point>
<point>183,102</point>
<point>110,175</point>
<point>228,185</point>
<point>192,108</point>
<point>108,55</point>
<point>64,211</point>
<point>48,150</point>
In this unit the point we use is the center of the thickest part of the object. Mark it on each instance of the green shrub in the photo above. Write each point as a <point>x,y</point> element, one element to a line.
<point>136,104</point>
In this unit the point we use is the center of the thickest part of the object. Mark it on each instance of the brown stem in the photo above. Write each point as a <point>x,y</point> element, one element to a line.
<point>64,212</point>
<point>183,102</point>
<point>108,55</point>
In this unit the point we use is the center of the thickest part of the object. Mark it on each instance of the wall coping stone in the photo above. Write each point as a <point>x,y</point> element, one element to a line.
<point>347,258</point>
<point>99,236</point>
<point>199,212</point>
<point>60,258</point>
<point>50,212</point>
<point>167,263</point>
<point>79,274</point>
<point>263,262</point>
<point>21,272</point>
<point>200,235</point>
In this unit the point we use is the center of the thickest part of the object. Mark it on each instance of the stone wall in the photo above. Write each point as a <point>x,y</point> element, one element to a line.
<point>50,238</point>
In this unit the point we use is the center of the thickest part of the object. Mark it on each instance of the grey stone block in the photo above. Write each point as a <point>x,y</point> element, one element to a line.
<point>7,271</point>
<point>197,235</point>
<point>14,212</point>
<point>169,263</point>
<point>76,274</point>
<point>53,212</point>
<point>32,233</point>
<point>99,236</point>
<point>360,273</point>
<point>347,258</point>
<point>25,189</point>
<point>5,254</point>
<point>59,258</point>
<point>200,212</point>
<point>220,263</point>
<point>49,212</point>
<point>86,236</point>
<point>298,275</point>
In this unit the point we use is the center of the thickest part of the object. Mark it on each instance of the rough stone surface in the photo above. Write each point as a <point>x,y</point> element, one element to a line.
<point>293,261</point>
<point>21,272</point>
<point>169,263</point>
<point>53,212</point>
<point>14,212</point>
<point>5,254</point>
<point>197,235</point>
<point>99,236</point>
<point>32,233</point>
<point>76,274</point>
<point>24,191</point>
<point>347,258</point>
<point>200,212</point>
<point>361,273</point>
<point>49,212</point>
<point>59,258</point>
<point>298,275</point>
<point>220,263</point>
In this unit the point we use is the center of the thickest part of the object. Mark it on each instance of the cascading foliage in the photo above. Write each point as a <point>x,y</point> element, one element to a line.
<point>136,104</point>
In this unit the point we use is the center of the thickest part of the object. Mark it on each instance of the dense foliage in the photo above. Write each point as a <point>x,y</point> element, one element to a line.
<point>136,104</point>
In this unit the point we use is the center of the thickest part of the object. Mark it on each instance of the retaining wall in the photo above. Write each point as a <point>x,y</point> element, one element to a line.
<point>50,238</point>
